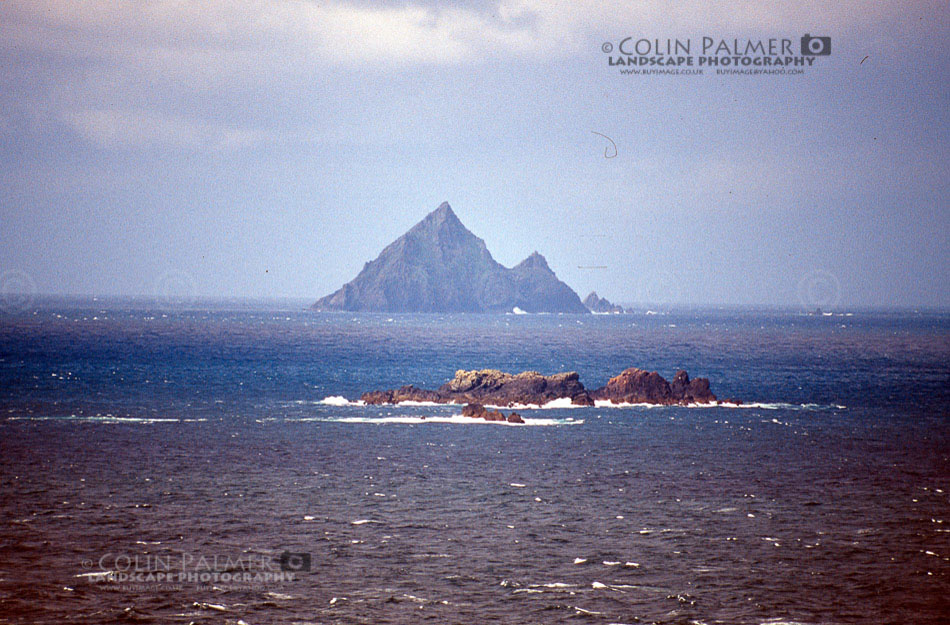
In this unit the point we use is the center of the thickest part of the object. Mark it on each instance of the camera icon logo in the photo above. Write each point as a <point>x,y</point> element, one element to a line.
<point>293,562</point>
<point>816,46</point>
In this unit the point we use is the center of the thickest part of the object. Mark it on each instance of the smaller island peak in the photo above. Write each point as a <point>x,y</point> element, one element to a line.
<point>597,304</point>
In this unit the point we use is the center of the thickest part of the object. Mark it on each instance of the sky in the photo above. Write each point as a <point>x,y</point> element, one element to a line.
<point>270,149</point>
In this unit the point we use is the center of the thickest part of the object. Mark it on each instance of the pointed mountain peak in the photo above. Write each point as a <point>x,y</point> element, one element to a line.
<point>443,215</point>
<point>535,260</point>
<point>441,266</point>
<point>593,296</point>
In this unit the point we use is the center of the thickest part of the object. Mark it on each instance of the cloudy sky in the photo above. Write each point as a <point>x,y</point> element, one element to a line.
<point>230,148</point>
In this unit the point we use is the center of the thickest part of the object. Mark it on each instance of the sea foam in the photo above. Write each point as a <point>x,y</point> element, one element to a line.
<point>339,400</point>
<point>563,403</point>
<point>454,419</point>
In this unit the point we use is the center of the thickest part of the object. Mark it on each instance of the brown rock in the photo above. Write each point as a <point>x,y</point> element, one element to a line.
<point>490,386</point>
<point>582,399</point>
<point>679,384</point>
<point>411,393</point>
<point>514,417</point>
<point>635,386</point>
<point>473,410</point>
<point>691,391</point>
<point>401,394</point>
<point>377,397</point>
<point>504,389</point>
<point>493,415</point>
<point>698,391</point>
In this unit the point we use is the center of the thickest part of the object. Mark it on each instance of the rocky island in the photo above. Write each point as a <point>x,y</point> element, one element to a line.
<point>440,266</point>
<point>601,305</point>
<point>490,387</point>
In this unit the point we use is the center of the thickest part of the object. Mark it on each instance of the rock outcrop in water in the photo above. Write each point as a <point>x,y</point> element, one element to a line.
<point>490,386</point>
<point>637,386</point>
<point>440,266</point>
<point>497,388</point>
<point>600,305</point>
<point>478,411</point>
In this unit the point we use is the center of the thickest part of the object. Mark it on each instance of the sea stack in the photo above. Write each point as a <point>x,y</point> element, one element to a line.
<point>601,305</point>
<point>440,266</point>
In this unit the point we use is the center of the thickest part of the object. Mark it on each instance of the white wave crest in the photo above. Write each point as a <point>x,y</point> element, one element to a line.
<point>339,400</point>
<point>104,419</point>
<point>423,404</point>
<point>455,419</point>
<point>563,403</point>
<point>554,404</point>
<point>602,403</point>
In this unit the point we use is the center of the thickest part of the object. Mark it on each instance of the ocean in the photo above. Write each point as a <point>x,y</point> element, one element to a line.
<point>206,462</point>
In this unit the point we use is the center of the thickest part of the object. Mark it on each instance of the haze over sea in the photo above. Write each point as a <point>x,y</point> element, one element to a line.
<point>135,434</point>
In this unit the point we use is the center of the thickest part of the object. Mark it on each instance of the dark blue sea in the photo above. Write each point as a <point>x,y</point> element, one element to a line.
<point>205,462</point>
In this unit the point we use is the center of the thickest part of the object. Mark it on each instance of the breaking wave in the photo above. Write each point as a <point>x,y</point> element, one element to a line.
<point>103,419</point>
<point>454,419</point>
<point>339,400</point>
<point>565,402</point>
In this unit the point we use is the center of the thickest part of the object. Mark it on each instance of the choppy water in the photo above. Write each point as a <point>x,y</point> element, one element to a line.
<point>164,436</point>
